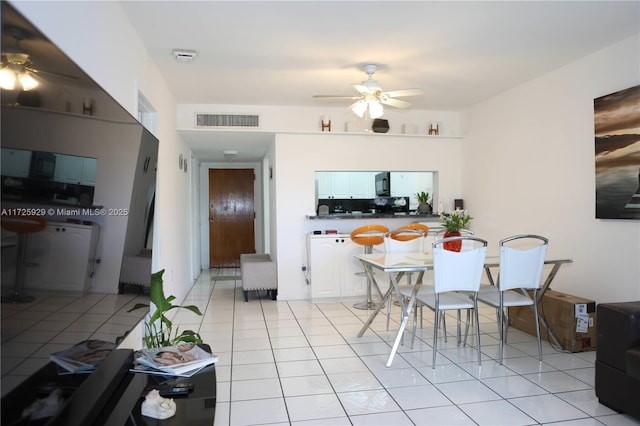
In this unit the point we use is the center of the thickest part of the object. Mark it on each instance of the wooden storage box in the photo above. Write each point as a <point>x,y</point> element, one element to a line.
<point>570,318</point>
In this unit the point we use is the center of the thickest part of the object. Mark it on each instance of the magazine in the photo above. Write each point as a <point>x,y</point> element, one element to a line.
<point>141,368</point>
<point>83,357</point>
<point>183,359</point>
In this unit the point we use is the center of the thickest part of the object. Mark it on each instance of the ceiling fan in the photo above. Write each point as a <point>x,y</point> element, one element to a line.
<point>16,66</point>
<point>371,97</point>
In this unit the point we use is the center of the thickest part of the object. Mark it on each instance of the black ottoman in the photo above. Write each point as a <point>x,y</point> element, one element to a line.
<point>618,357</point>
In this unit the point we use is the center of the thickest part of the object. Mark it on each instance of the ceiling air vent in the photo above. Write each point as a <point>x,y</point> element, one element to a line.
<point>227,120</point>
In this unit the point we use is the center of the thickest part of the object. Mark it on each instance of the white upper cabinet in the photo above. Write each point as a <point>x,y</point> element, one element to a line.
<point>15,162</point>
<point>346,184</point>
<point>77,170</point>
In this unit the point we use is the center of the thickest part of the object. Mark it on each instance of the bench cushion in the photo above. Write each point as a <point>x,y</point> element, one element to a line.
<point>258,272</point>
<point>136,269</point>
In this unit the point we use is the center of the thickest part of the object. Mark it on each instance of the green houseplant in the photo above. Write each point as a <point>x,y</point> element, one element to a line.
<point>423,202</point>
<point>453,223</point>
<point>158,327</point>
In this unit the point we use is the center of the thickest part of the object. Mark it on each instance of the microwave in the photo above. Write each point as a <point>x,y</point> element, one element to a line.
<point>383,184</point>
<point>43,165</point>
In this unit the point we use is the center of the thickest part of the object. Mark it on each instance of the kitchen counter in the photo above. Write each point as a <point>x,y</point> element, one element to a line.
<point>425,217</point>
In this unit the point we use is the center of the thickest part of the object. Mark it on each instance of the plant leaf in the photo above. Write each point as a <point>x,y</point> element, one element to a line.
<point>139,306</point>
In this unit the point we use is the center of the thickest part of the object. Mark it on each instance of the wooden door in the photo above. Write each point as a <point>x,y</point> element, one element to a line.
<point>231,216</point>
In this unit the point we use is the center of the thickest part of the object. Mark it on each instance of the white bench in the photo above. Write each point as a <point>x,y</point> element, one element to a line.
<point>258,272</point>
<point>136,270</point>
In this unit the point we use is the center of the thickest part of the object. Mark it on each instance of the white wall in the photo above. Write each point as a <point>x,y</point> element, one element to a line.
<point>528,166</point>
<point>298,156</point>
<point>527,163</point>
<point>100,39</point>
<point>308,119</point>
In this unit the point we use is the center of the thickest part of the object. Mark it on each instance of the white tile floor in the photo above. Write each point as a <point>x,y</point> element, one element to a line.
<point>31,331</point>
<point>298,363</point>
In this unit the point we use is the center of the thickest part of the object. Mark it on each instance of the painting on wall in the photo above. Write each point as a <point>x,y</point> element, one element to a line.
<point>617,154</point>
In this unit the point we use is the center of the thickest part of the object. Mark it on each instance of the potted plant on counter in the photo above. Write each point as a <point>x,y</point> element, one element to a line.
<point>424,207</point>
<point>453,222</point>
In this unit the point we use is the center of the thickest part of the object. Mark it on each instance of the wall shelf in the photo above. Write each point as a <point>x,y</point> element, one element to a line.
<point>316,132</point>
<point>416,135</point>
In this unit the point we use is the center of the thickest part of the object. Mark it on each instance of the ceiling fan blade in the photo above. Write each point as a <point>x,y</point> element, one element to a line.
<point>397,103</point>
<point>404,92</point>
<point>337,96</point>
<point>362,89</point>
<point>57,74</point>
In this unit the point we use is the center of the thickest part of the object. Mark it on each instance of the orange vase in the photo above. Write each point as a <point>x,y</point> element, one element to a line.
<point>452,245</point>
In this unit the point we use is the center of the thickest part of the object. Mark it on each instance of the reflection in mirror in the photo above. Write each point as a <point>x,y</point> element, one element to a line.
<point>47,177</point>
<point>94,169</point>
<point>364,192</point>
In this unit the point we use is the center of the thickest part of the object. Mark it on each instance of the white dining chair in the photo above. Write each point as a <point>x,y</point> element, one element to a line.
<point>521,264</point>
<point>457,278</point>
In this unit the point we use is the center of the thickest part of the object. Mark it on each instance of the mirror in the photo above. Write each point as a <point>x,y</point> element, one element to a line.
<point>345,191</point>
<point>47,177</point>
<point>91,151</point>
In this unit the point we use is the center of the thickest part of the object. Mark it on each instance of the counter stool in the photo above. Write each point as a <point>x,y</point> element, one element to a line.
<point>23,226</point>
<point>368,236</point>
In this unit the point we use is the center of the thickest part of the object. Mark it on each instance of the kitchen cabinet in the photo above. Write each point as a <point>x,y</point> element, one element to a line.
<point>323,184</point>
<point>89,171</point>
<point>362,185</point>
<point>345,184</point>
<point>334,271</point>
<point>333,184</point>
<point>16,162</point>
<point>76,170</point>
<point>61,257</point>
<point>340,185</point>
<point>68,169</point>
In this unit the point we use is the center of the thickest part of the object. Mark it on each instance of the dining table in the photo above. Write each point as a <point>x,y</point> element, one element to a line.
<point>396,265</point>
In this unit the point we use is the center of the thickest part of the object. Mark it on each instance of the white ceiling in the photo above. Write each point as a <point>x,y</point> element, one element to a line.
<point>283,53</point>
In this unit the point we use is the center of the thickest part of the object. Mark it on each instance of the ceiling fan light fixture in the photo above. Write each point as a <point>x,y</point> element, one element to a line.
<point>18,58</point>
<point>359,108</point>
<point>7,79</point>
<point>375,109</point>
<point>27,81</point>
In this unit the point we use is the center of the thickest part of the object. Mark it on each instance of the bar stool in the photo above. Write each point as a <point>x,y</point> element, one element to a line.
<point>414,226</point>
<point>368,236</point>
<point>23,226</point>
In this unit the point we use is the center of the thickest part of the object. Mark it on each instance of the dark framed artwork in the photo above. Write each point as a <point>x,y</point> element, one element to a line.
<point>617,154</point>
